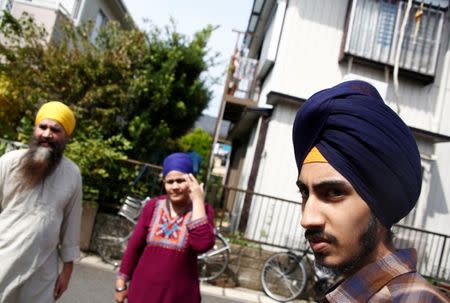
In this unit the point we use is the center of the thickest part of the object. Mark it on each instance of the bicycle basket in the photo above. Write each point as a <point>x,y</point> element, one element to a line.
<point>131,208</point>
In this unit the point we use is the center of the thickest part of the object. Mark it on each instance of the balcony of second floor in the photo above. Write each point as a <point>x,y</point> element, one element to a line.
<point>239,94</point>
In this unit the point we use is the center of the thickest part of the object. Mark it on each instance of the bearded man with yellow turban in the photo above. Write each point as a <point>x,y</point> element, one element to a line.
<point>40,211</point>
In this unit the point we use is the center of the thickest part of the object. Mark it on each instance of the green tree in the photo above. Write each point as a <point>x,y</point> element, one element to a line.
<point>198,140</point>
<point>134,92</point>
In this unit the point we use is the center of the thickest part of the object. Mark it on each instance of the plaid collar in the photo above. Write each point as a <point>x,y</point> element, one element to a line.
<point>370,279</point>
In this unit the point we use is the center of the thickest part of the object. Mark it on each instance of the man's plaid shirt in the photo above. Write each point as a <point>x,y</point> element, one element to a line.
<point>392,278</point>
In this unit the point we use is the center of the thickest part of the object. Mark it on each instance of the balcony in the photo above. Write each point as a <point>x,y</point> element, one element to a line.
<point>239,106</point>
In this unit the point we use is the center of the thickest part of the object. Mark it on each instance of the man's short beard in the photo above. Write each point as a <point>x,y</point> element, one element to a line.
<point>368,241</point>
<point>39,162</point>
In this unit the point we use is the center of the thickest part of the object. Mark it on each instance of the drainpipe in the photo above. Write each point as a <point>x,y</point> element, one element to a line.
<point>397,54</point>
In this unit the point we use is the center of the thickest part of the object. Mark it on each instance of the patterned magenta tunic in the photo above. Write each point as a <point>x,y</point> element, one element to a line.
<point>161,257</point>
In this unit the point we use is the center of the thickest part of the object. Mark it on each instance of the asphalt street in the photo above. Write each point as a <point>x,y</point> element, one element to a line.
<point>90,284</point>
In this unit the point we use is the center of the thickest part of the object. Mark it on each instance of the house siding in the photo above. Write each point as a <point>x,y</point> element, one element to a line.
<point>91,9</point>
<point>44,16</point>
<point>308,61</point>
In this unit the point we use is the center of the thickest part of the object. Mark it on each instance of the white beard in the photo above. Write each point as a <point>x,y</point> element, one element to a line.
<point>42,154</point>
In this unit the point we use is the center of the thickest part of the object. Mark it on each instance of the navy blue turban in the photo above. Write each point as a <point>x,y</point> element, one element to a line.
<point>181,162</point>
<point>366,142</point>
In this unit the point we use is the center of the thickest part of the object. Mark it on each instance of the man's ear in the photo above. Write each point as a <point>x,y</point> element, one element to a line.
<point>67,138</point>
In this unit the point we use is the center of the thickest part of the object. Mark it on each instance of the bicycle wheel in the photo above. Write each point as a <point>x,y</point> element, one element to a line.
<point>283,276</point>
<point>214,262</point>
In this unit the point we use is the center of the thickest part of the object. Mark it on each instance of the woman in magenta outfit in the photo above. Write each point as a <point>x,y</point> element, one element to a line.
<point>160,262</point>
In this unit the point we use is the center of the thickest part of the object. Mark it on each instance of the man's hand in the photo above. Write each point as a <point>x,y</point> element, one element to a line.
<point>63,280</point>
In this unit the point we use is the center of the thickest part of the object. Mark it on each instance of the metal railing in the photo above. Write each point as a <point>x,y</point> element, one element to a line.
<point>374,32</point>
<point>8,145</point>
<point>243,74</point>
<point>433,250</point>
<point>275,222</point>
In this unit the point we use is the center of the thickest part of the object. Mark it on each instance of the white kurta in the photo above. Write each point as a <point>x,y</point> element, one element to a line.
<point>36,226</point>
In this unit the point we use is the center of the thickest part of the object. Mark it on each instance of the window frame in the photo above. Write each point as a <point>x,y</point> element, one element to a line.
<point>98,25</point>
<point>376,55</point>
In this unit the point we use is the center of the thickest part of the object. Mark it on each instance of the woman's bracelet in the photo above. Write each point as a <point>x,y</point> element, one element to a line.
<point>120,289</point>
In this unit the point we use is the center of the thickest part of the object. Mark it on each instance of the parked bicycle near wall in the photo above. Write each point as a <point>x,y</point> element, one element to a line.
<point>284,276</point>
<point>214,262</point>
<point>130,211</point>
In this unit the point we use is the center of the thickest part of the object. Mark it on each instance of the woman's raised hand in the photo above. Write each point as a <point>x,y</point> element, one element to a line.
<point>196,192</point>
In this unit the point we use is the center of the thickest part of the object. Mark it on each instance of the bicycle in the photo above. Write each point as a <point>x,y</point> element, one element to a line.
<point>130,210</point>
<point>284,276</point>
<point>213,263</point>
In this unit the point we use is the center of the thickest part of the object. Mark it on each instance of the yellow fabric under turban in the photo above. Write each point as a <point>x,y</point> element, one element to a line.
<point>314,156</point>
<point>58,112</point>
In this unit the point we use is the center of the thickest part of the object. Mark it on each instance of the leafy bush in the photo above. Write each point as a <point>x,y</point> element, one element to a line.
<point>134,92</point>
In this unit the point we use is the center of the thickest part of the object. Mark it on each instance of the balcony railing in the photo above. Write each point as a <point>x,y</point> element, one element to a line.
<point>242,76</point>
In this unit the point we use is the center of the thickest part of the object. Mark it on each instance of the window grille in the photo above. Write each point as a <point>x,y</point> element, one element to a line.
<point>374,31</point>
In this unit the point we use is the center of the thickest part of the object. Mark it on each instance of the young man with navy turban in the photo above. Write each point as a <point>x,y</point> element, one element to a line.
<point>359,173</point>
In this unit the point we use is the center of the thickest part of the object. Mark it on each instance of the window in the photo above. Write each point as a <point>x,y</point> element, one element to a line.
<point>76,9</point>
<point>374,32</point>
<point>6,5</point>
<point>100,21</point>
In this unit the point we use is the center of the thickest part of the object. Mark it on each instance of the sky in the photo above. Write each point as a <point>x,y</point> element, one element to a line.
<point>192,16</point>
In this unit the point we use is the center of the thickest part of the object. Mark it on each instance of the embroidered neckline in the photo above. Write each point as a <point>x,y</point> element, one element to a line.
<point>170,233</point>
<point>181,214</point>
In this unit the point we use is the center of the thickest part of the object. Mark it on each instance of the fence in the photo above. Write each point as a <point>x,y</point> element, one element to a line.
<point>147,178</point>
<point>276,222</point>
<point>7,145</point>
<point>432,250</point>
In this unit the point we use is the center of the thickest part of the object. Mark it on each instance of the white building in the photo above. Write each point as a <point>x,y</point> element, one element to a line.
<point>49,13</point>
<point>303,46</point>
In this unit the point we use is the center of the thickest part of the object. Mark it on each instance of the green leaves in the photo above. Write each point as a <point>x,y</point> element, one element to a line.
<point>134,92</point>
<point>98,160</point>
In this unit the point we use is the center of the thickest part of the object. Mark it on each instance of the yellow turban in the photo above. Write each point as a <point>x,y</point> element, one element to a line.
<point>58,112</point>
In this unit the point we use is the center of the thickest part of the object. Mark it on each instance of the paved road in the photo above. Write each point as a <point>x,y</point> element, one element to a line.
<point>94,285</point>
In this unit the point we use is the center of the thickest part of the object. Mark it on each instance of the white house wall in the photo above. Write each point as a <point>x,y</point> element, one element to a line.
<point>244,175</point>
<point>271,220</point>
<point>68,5</point>
<point>43,3</point>
<point>278,161</point>
<point>43,15</point>
<point>307,61</point>
<point>435,213</point>
<point>309,47</point>
<point>90,10</point>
